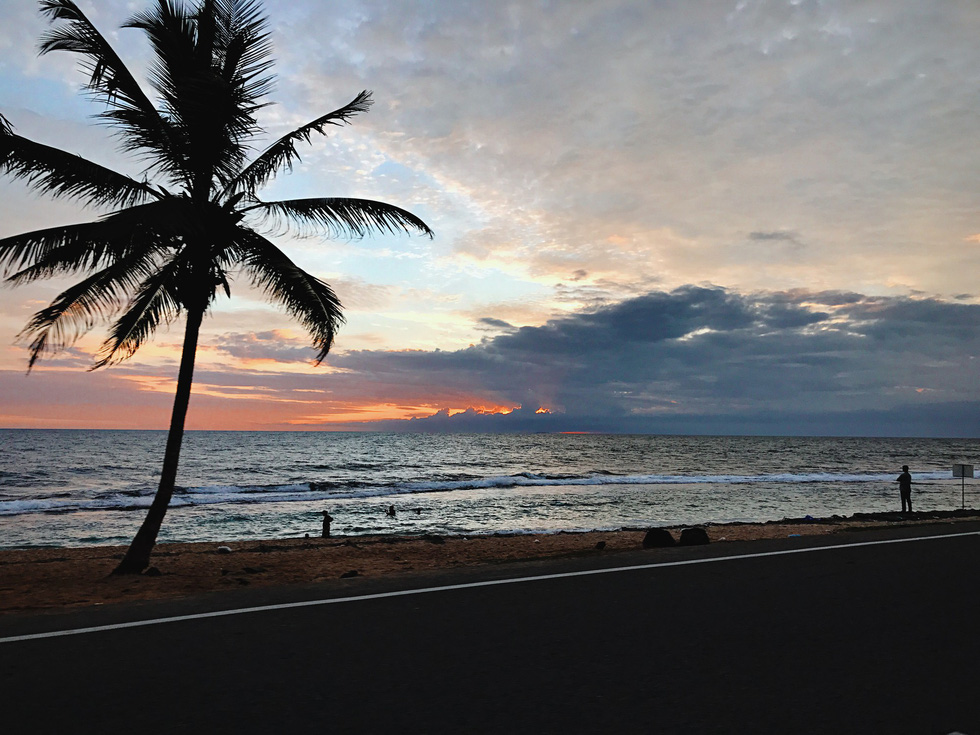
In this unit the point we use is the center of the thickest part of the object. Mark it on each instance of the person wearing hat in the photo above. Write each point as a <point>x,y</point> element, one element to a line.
<point>905,488</point>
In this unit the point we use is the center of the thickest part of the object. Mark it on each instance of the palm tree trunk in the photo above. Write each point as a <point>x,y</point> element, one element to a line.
<point>138,556</point>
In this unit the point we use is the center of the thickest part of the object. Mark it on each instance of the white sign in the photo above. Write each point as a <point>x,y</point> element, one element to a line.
<point>962,470</point>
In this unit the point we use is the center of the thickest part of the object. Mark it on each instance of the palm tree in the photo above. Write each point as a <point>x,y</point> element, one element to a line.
<point>166,243</point>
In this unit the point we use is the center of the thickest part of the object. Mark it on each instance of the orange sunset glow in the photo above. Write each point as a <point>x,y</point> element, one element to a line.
<point>483,410</point>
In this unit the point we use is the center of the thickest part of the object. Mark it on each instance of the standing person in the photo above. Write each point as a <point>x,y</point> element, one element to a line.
<point>905,488</point>
<point>327,518</point>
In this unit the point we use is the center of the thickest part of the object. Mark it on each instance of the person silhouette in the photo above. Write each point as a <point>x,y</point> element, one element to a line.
<point>326,523</point>
<point>905,488</point>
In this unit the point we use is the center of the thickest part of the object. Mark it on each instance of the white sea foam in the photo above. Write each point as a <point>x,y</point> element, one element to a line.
<point>529,480</point>
<point>250,494</point>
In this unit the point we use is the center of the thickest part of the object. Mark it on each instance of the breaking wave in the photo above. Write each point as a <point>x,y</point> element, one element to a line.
<point>317,491</point>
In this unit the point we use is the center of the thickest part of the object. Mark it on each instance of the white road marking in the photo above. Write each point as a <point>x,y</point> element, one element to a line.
<point>467,585</point>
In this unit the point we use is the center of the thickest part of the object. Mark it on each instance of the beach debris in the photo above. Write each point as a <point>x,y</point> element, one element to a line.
<point>657,538</point>
<point>600,545</point>
<point>693,537</point>
<point>351,573</point>
<point>224,549</point>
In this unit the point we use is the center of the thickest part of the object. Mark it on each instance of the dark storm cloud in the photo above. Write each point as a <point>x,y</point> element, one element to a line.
<point>694,357</point>
<point>649,319</point>
<point>776,236</point>
<point>939,420</point>
<point>697,359</point>
<point>700,351</point>
<point>495,324</point>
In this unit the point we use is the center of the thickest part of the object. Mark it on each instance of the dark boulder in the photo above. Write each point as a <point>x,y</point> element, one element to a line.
<point>600,545</point>
<point>657,538</point>
<point>693,537</point>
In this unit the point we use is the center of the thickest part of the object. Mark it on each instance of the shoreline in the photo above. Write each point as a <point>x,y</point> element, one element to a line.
<point>53,579</point>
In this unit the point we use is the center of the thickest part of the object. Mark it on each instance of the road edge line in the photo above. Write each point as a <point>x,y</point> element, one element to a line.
<point>467,585</point>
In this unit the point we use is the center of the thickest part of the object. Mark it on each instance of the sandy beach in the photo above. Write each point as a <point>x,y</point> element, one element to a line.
<point>51,579</point>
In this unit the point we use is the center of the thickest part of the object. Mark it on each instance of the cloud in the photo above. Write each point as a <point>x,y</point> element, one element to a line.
<point>699,350</point>
<point>276,345</point>
<point>844,123</point>
<point>778,236</point>
<point>359,295</point>
<point>845,126</point>
<point>694,358</point>
<point>935,420</point>
<point>495,325</point>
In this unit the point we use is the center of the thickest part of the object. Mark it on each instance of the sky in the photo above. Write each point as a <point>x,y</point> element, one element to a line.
<point>727,217</point>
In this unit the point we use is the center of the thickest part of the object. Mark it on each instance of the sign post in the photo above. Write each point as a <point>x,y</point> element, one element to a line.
<point>963,471</point>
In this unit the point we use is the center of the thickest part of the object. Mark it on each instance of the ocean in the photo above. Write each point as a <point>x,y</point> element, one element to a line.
<point>81,488</point>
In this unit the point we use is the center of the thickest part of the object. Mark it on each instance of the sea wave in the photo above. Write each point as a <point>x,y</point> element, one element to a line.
<point>324,491</point>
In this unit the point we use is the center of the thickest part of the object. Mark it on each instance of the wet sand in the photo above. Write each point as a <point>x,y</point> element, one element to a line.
<point>52,579</point>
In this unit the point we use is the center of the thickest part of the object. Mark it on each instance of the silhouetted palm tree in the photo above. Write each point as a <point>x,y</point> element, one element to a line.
<point>168,242</point>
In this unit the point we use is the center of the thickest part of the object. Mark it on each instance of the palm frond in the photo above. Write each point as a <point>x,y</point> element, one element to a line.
<point>282,154</point>
<point>242,47</point>
<point>243,56</point>
<point>79,248</point>
<point>71,259</point>
<point>210,72</point>
<point>341,217</point>
<point>303,296</point>
<point>110,81</point>
<point>77,309</point>
<point>61,174</point>
<point>156,301</point>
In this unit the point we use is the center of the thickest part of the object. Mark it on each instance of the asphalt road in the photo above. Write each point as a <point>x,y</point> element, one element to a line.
<point>863,639</point>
